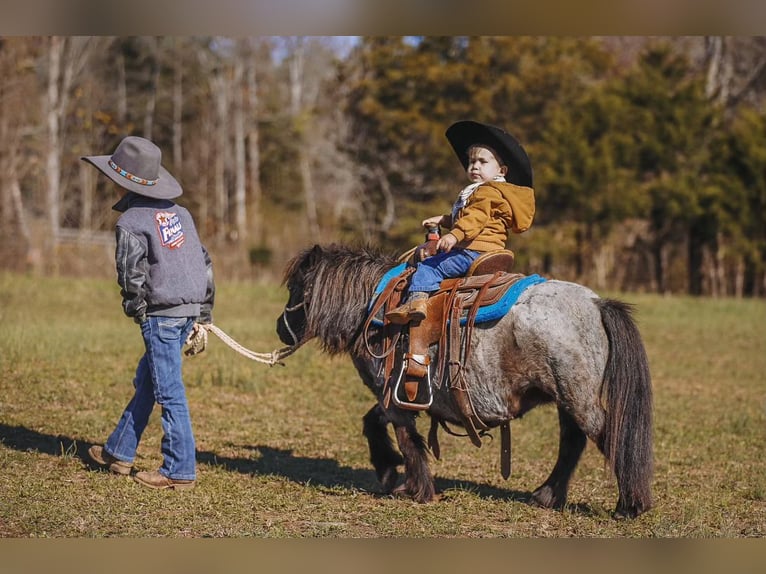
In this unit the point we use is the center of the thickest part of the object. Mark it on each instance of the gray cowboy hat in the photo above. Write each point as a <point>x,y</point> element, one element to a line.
<point>136,166</point>
<point>466,133</point>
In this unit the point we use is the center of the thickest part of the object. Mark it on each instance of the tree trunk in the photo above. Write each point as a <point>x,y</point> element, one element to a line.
<point>220,95</point>
<point>304,161</point>
<point>238,116</point>
<point>658,258</point>
<point>739,277</point>
<point>389,203</point>
<point>254,150</point>
<point>66,58</point>
<point>53,151</point>
<point>13,220</point>
<point>579,254</point>
<point>122,90</point>
<point>86,197</point>
<point>178,104</point>
<point>6,210</point>
<point>715,87</point>
<point>695,261</point>
<point>151,100</point>
<point>720,265</point>
<point>709,279</point>
<point>203,175</point>
<point>725,84</point>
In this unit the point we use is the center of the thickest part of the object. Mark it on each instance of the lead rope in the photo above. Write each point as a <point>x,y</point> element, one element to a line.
<point>197,342</point>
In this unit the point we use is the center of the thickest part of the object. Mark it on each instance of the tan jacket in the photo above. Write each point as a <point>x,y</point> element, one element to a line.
<point>493,209</point>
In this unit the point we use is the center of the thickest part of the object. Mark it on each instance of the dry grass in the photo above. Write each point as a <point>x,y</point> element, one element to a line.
<point>280,450</point>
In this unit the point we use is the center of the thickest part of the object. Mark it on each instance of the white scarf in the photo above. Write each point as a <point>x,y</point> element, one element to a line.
<point>467,192</point>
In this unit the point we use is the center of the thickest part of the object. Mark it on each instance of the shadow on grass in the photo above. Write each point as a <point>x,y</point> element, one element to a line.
<point>267,460</point>
<point>328,473</point>
<point>23,439</point>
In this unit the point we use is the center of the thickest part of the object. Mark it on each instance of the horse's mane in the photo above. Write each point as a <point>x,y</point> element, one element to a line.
<point>338,283</point>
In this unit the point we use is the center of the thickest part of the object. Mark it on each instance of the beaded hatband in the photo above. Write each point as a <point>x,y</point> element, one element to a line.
<point>131,177</point>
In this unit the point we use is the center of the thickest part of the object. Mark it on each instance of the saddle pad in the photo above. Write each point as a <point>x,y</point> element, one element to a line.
<point>484,314</point>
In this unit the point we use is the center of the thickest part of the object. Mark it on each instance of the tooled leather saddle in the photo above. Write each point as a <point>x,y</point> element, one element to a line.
<point>485,293</point>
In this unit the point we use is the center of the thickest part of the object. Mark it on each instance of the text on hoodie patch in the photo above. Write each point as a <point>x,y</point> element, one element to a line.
<point>170,230</point>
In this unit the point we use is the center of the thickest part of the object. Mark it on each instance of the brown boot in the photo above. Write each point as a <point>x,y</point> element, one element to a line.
<point>102,458</point>
<point>153,479</point>
<point>413,310</point>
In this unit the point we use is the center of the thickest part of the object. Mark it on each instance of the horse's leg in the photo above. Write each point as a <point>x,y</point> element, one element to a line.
<point>553,492</point>
<point>418,483</point>
<point>382,454</point>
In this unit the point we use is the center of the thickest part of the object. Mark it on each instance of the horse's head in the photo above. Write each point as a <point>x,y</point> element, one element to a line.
<point>330,288</point>
<point>292,324</point>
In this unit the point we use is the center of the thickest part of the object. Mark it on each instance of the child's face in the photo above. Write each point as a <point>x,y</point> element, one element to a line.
<point>483,164</point>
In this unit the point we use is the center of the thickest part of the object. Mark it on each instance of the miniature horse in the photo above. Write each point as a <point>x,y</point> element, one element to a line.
<point>559,343</point>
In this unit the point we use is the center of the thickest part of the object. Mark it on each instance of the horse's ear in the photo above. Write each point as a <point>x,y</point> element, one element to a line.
<point>315,253</point>
<point>309,257</point>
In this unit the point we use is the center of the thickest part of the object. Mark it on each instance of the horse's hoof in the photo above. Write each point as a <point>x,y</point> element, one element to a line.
<point>627,513</point>
<point>388,479</point>
<point>400,492</point>
<point>424,498</point>
<point>543,498</point>
<point>625,510</point>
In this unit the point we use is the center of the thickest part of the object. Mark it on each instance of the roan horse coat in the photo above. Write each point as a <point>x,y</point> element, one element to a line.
<point>559,343</point>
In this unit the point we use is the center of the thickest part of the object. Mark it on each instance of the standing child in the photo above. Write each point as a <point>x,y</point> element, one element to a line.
<point>166,280</point>
<point>499,199</point>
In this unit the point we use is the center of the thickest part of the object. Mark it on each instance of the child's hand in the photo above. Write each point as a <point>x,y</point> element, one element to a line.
<point>434,221</point>
<point>446,243</point>
<point>197,340</point>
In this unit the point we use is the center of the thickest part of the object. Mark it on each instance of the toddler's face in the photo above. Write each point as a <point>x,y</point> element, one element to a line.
<point>483,164</point>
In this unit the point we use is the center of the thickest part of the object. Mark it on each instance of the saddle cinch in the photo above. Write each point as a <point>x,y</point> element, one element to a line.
<point>451,315</point>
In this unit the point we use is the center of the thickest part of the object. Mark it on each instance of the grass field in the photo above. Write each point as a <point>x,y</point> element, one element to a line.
<point>280,449</point>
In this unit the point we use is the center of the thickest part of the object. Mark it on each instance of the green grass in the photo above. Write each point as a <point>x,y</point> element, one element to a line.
<point>280,449</point>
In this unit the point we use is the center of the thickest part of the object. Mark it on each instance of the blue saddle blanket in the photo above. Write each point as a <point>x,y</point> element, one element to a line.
<point>484,314</point>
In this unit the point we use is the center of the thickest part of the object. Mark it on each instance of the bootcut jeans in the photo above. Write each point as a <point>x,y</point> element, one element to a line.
<point>430,272</point>
<point>158,379</point>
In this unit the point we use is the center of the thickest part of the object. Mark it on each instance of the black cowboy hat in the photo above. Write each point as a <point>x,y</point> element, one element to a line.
<point>466,133</point>
<point>136,166</point>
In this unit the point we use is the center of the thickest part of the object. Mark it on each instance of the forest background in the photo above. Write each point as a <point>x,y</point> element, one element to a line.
<point>649,153</point>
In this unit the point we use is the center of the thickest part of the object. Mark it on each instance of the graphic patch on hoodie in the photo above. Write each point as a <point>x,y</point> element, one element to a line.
<point>170,230</point>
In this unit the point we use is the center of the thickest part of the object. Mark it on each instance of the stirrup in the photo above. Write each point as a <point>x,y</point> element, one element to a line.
<point>411,405</point>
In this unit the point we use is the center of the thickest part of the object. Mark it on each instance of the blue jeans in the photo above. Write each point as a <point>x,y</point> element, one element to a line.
<point>158,379</point>
<point>430,272</point>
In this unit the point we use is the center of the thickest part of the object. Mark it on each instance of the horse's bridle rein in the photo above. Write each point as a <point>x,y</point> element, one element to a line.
<point>301,305</point>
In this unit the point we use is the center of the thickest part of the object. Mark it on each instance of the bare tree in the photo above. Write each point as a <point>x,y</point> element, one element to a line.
<point>253,143</point>
<point>299,112</point>
<point>66,58</point>
<point>178,104</point>
<point>215,63</point>
<point>10,188</point>
<point>154,84</point>
<point>240,168</point>
<point>736,69</point>
<point>121,88</point>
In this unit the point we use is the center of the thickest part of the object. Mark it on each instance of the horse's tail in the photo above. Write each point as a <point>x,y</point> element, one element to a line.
<point>627,440</point>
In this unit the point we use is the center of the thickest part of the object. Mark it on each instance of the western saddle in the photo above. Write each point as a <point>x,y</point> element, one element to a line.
<point>451,314</point>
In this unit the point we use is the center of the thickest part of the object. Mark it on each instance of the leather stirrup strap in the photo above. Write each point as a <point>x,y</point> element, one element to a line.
<point>457,384</point>
<point>505,449</point>
<point>433,438</point>
<point>446,333</point>
<point>385,297</point>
